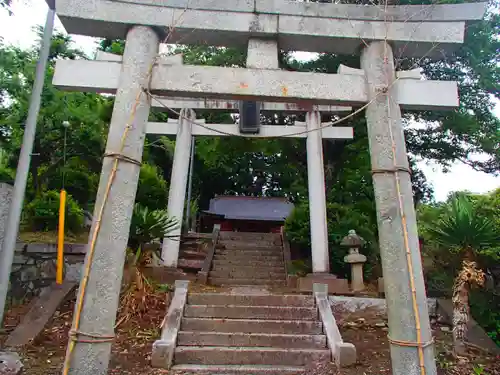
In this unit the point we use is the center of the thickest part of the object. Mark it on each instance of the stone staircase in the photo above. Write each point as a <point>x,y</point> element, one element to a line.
<point>248,259</point>
<point>249,334</point>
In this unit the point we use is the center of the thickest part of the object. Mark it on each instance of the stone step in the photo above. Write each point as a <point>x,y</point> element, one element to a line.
<point>242,246</point>
<point>229,281</point>
<point>250,263</point>
<point>308,327</point>
<point>263,252</point>
<point>251,339</point>
<point>216,355</point>
<point>225,299</point>
<point>251,312</point>
<point>238,369</point>
<point>249,274</point>
<point>249,258</point>
<point>249,235</point>
<point>231,267</point>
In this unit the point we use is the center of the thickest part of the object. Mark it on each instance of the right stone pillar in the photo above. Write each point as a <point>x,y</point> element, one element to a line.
<point>317,196</point>
<point>397,227</point>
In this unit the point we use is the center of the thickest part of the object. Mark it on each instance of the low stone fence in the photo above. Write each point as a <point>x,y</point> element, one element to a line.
<point>34,267</point>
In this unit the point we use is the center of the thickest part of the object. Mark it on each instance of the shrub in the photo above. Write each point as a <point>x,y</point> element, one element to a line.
<point>152,191</point>
<point>6,175</point>
<point>42,213</point>
<point>79,181</point>
<point>340,220</point>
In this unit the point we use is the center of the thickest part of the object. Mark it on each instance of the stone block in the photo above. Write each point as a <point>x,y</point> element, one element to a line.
<point>10,363</point>
<point>346,354</point>
<point>163,349</point>
<point>335,285</point>
<point>348,305</point>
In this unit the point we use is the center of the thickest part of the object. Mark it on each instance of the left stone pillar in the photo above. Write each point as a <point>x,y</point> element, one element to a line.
<point>128,125</point>
<point>178,184</point>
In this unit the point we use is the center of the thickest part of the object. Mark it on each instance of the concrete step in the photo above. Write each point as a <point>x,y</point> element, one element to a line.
<point>231,267</point>
<point>230,281</point>
<point>308,327</point>
<point>262,252</point>
<point>251,312</point>
<point>225,299</point>
<point>251,339</point>
<point>249,258</point>
<point>216,355</point>
<point>249,274</point>
<point>250,263</point>
<point>238,369</point>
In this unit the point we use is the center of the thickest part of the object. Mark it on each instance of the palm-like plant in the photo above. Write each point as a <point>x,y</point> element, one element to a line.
<point>462,230</point>
<point>146,226</point>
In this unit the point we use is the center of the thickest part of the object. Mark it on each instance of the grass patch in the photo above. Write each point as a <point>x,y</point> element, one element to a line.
<point>51,237</point>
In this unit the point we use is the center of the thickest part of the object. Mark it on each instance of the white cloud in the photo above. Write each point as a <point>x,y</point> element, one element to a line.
<point>17,30</point>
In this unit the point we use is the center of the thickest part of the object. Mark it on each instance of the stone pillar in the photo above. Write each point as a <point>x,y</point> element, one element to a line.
<point>356,260</point>
<point>178,184</point>
<point>5,199</point>
<point>317,196</point>
<point>385,131</point>
<point>103,289</point>
<point>354,243</point>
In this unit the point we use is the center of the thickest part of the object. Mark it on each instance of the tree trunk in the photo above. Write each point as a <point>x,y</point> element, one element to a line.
<point>461,313</point>
<point>469,275</point>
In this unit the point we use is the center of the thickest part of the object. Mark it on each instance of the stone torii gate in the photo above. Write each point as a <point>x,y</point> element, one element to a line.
<point>381,31</point>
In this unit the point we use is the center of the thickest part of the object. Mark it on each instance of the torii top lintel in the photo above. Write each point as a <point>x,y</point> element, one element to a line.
<point>414,30</point>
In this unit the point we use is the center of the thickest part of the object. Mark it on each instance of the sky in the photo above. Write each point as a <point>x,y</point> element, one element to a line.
<point>17,30</point>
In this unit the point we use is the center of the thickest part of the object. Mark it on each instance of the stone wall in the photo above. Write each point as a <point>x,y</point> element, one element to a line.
<point>34,267</point>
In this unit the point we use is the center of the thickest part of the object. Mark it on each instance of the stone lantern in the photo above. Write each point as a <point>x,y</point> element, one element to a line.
<point>354,242</point>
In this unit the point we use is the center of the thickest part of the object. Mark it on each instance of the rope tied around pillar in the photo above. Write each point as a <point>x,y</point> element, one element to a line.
<point>414,344</point>
<point>122,157</point>
<point>93,338</point>
<point>391,170</point>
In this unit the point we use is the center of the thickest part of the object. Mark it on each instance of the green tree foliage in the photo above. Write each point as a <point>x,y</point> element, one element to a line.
<point>88,115</point>
<point>42,213</point>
